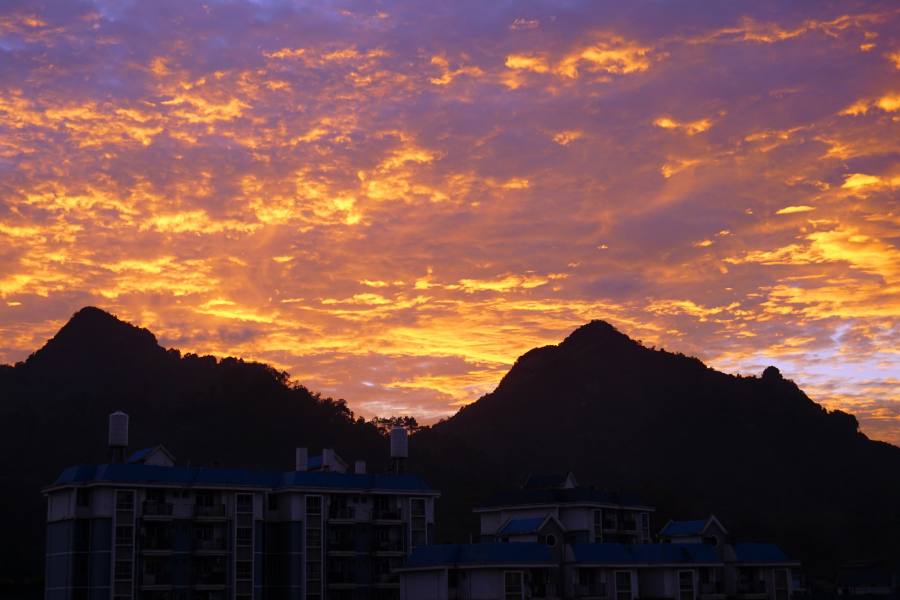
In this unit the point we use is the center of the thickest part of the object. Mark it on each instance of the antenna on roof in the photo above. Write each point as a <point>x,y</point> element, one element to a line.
<point>118,436</point>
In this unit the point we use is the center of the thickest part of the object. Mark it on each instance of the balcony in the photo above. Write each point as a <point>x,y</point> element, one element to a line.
<point>395,514</point>
<point>751,587</point>
<point>156,579</point>
<point>609,524</point>
<point>209,579</point>
<point>342,514</point>
<point>713,588</point>
<point>386,579</point>
<point>628,526</point>
<point>341,578</point>
<point>590,590</point>
<point>213,511</point>
<point>342,545</point>
<point>156,510</point>
<point>210,545</point>
<point>387,546</point>
<point>157,544</point>
<point>545,590</point>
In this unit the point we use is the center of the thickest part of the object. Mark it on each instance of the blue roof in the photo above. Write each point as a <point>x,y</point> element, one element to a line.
<point>140,473</point>
<point>539,481</point>
<point>483,553</point>
<point>140,455</point>
<point>759,553</point>
<point>616,553</point>
<point>521,525</point>
<point>562,496</point>
<point>314,462</point>
<point>684,527</point>
<point>644,553</point>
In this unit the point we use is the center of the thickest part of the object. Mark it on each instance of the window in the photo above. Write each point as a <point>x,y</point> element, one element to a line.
<point>314,549</point>
<point>244,569</point>
<point>80,565</point>
<point>714,541</point>
<point>124,534</point>
<point>82,530</point>
<point>623,585</point>
<point>123,569</point>
<point>418,529</point>
<point>245,503</point>
<point>82,497</point>
<point>782,584</point>
<point>513,588</point>
<point>598,526</point>
<point>686,585</point>
<point>273,502</point>
<point>272,568</point>
<point>124,500</point>
<point>551,540</point>
<point>645,528</point>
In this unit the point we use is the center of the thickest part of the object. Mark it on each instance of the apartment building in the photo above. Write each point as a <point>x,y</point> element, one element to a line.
<point>554,539</point>
<point>142,528</point>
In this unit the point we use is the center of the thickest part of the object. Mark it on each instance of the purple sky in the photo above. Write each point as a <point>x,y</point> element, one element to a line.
<point>394,200</point>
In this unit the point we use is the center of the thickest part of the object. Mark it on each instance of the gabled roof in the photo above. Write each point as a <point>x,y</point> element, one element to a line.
<point>563,496</point>
<point>677,528</point>
<point>683,528</point>
<point>514,526</point>
<point>529,525</point>
<point>315,462</point>
<point>644,553</point>
<point>766,552</point>
<point>141,455</point>
<point>483,553</point>
<point>140,473</point>
<point>550,481</point>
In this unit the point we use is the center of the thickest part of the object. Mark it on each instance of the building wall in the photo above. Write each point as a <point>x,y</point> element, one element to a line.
<point>424,585</point>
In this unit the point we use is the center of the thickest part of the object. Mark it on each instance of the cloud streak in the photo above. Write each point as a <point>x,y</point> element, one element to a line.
<point>393,204</point>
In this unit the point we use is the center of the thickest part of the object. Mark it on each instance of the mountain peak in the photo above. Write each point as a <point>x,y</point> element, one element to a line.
<point>95,336</point>
<point>596,332</point>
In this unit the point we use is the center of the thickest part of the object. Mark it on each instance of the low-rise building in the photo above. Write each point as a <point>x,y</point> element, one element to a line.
<point>596,544</point>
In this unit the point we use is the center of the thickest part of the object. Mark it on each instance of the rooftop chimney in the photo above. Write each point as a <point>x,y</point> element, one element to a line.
<point>118,436</point>
<point>360,467</point>
<point>301,455</point>
<point>327,459</point>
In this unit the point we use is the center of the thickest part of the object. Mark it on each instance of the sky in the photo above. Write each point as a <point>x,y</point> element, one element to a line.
<point>392,201</point>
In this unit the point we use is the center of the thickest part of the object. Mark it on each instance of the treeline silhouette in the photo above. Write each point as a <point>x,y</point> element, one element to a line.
<point>757,452</point>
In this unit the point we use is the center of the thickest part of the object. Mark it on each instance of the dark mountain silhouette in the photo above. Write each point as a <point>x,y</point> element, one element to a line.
<point>54,411</point>
<point>769,462</point>
<point>757,452</point>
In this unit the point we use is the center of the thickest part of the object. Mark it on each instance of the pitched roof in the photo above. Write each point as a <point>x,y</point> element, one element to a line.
<point>514,526</point>
<point>684,527</point>
<point>482,553</point>
<point>140,455</point>
<point>759,553</point>
<point>562,496</point>
<point>140,473</point>
<point>644,553</point>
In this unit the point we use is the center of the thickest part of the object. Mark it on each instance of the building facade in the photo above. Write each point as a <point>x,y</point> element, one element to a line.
<point>146,529</point>
<point>596,544</point>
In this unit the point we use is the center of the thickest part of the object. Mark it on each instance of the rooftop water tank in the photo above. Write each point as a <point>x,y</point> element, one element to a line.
<point>399,443</point>
<point>118,430</point>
